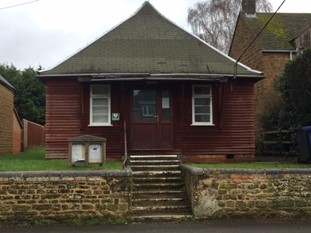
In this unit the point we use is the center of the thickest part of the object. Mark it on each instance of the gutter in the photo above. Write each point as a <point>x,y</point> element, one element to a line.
<point>279,51</point>
<point>282,51</point>
<point>148,76</point>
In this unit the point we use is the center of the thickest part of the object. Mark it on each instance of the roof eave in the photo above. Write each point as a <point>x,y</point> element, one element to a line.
<point>153,76</point>
<point>279,51</point>
<point>8,85</point>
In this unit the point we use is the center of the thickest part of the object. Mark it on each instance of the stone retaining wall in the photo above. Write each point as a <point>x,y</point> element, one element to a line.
<point>218,193</point>
<point>106,195</point>
<point>64,196</point>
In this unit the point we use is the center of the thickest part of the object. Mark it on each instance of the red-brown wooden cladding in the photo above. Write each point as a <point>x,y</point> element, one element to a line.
<point>233,133</point>
<point>62,116</point>
<point>233,114</point>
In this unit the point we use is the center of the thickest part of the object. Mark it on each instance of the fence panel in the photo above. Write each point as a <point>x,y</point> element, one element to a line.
<point>34,134</point>
<point>279,142</point>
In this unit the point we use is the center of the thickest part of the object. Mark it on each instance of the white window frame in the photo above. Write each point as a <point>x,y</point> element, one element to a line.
<point>210,96</point>
<point>108,96</point>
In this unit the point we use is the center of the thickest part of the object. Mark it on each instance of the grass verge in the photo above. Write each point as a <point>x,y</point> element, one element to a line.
<point>34,160</point>
<point>261,163</point>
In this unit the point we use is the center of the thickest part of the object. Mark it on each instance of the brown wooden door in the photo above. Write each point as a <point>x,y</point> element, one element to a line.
<point>151,127</point>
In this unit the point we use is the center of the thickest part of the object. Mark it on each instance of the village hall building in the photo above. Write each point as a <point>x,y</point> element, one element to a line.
<point>150,87</point>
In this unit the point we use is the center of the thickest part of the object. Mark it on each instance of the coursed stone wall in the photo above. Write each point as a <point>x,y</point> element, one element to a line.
<point>106,195</point>
<point>218,193</point>
<point>64,196</point>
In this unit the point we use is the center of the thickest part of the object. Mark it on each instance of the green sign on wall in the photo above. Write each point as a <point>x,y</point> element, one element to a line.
<point>115,116</point>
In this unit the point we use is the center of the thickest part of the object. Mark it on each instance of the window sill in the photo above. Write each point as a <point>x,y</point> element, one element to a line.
<point>208,124</point>
<point>100,125</point>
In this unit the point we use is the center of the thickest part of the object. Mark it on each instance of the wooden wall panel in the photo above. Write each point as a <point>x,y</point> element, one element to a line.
<point>66,117</point>
<point>62,116</point>
<point>234,136</point>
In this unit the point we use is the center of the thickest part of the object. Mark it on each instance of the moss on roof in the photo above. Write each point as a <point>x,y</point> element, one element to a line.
<point>282,29</point>
<point>148,43</point>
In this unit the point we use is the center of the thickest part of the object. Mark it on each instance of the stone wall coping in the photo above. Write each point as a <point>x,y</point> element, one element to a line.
<point>60,174</point>
<point>203,171</point>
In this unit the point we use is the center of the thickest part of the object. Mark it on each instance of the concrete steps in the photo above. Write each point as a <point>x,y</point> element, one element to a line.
<point>158,191</point>
<point>163,173</point>
<point>162,218</point>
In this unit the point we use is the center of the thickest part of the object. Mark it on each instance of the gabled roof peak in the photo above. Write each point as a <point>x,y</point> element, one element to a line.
<point>147,8</point>
<point>146,5</point>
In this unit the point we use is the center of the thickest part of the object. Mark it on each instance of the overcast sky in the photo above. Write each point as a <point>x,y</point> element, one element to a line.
<point>46,32</point>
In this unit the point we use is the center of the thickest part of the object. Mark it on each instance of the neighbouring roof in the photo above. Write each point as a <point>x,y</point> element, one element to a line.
<point>5,83</point>
<point>282,29</point>
<point>149,43</point>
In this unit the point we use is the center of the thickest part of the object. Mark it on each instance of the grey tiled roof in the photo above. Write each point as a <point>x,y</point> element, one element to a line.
<point>149,43</point>
<point>6,83</point>
<point>279,33</point>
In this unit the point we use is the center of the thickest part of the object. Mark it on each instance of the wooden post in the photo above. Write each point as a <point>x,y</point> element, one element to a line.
<point>81,106</point>
<point>25,134</point>
<point>125,144</point>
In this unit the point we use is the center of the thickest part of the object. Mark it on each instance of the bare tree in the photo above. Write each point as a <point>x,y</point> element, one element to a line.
<point>214,20</point>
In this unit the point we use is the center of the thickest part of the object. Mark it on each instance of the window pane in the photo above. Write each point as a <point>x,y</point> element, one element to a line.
<point>202,118</point>
<point>201,90</point>
<point>100,118</point>
<point>100,101</point>
<point>144,104</point>
<point>165,100</point>
<point>166,106</point>
<point>100,110</point>
<point>201,101</point>
<point>202,109</point>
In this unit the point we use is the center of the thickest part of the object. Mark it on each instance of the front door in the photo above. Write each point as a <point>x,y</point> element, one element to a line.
<point>151,127</point>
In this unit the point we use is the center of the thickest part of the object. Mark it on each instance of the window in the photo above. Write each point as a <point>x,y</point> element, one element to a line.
<point>100,105</point>
<point>145,104</point>
<point>202,105</point>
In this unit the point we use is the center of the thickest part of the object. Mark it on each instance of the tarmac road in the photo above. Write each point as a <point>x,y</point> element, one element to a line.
<point>272,226</point>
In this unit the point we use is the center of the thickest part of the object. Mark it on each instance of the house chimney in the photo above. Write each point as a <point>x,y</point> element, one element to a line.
<point>249,8</point>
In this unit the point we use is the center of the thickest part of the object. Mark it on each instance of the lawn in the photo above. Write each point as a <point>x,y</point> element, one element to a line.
<point>34,160</point>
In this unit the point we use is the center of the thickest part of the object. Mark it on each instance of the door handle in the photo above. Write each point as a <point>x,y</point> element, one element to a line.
<point>157,117</point>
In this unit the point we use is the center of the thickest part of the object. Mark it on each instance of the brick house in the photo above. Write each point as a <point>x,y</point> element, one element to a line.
<point>284,37</point>
<point>6,116</point>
